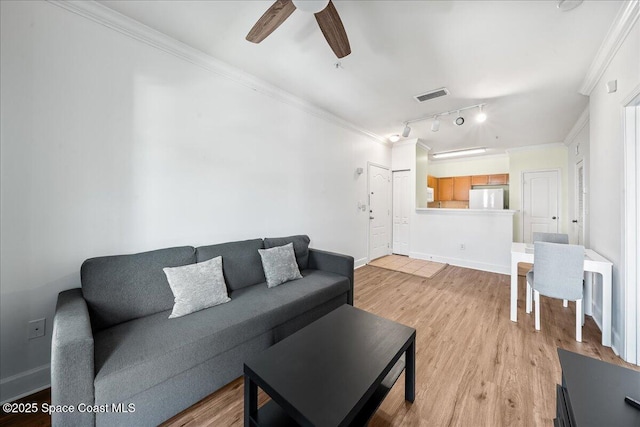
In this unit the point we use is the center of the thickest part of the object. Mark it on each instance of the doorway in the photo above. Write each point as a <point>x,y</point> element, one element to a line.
<point>540,195</point>
<point>379,211</point>
<point>401,208</point>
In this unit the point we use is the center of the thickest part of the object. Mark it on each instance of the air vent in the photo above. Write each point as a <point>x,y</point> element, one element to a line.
<point>433,94</point>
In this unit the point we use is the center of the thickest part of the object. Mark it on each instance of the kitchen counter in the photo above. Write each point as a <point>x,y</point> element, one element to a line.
<point>467,211</point>
<point>472,238</point>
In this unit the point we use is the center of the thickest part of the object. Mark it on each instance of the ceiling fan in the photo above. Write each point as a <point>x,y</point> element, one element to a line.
<point>325,13</point>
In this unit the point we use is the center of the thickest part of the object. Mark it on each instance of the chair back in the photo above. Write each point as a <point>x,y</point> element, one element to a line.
<point>558,270</point>
<point>551,238</point>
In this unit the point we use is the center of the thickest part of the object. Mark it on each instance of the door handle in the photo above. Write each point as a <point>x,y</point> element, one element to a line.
<point>370,217</point>
<point>553,217</point>
<point>575,221</point>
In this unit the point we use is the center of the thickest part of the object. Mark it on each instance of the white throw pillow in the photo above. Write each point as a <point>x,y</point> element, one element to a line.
<point>279,265</point>
<point>197,286</point>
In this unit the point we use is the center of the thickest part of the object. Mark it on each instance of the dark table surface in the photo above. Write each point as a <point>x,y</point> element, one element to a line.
<point>597,389</point>
<point>326,371</point>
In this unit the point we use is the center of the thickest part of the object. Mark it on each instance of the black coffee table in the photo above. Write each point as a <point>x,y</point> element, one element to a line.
<point>334,372</point>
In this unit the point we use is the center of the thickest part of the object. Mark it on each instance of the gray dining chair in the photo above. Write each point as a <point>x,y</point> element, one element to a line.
<point>558,272</point>
<point>551,238</point>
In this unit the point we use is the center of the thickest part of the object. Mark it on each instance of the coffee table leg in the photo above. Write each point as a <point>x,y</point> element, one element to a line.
<point>410,372</point>
<point>250,400</point>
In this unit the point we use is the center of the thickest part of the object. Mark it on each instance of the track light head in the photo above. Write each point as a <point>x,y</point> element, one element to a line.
<point>406,131</point>
<point>481,117</point>
<point>394,138</point>
<point>458,121</point>
<point>435,126</point>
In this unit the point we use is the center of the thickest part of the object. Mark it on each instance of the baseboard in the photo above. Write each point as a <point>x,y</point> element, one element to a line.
<point>359,263</point>
<point>597,315</point>
<point>461,262</point>
<point>615,338</point>
<point>25,383</point>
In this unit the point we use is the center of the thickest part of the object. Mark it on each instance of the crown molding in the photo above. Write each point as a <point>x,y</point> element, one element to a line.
<point>620,28</point>
<point>582,121</point>
<point>136,30</point>
<point>412,141</point>
<point>423,145</point>
<point>536,147</point>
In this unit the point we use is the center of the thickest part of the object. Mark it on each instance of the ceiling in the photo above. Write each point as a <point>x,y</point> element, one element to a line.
<point>525,59</point>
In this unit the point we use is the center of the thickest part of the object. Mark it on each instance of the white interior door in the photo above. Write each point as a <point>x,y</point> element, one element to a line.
<point>578,221</point>
<point>401,208</point>
<point>539,203</point>
<point>379,212</point>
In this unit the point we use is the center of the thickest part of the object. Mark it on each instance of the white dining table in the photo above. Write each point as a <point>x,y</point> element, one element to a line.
<point>593,262</point>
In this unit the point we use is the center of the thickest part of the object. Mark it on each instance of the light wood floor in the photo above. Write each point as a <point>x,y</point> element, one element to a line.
<point>474,366</point>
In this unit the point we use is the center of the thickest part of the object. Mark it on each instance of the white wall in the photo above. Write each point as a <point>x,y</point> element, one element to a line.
<point>606,166</point>
<point>483,165</point>
<point>422,167</point>
<point>111,146</point>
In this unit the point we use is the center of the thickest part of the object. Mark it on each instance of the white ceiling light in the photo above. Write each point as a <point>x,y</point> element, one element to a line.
<point>459,153</point>
<point>406,131</point>
<point>565,5</point>
<point>311,6</point>
<point>394,138</point>
<point>481,117</point>
<point>435,126</point>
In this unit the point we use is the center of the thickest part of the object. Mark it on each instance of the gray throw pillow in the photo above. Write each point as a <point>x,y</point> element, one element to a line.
<point>197,286</point>
<point>300,247</point>
<point>279,265</point>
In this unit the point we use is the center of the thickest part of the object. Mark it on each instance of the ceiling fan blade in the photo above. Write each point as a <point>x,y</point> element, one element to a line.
<point>270,20</point>
<point>333,30</point>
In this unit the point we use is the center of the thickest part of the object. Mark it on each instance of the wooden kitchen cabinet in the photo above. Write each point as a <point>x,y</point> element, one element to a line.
<point>499,179</point>
<point>432,182</point>
<point>445,189</point>
<point>479,179</point>
<point>461,187</point>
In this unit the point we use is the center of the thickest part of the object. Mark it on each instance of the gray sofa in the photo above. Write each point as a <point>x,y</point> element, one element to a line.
<point>115,348</point>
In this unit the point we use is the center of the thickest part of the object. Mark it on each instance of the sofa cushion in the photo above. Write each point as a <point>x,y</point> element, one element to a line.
<point>300,247</point>
<point>136,355</point>
<point>197,286</point>
<point>279,265</point>
<point>241,263</point>
<point>125,287</point>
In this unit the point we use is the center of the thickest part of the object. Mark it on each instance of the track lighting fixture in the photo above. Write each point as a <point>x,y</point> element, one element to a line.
<point>459,120</point>
<point>394,138</point>
<point>435,126</point>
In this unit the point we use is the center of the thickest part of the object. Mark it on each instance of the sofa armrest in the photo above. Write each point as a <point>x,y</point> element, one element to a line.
<point>334,263</point>
<point>72,368</point>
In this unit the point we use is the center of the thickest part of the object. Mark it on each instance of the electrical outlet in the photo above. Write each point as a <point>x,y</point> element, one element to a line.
<point>462,247</point>
<point>36,328</point>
